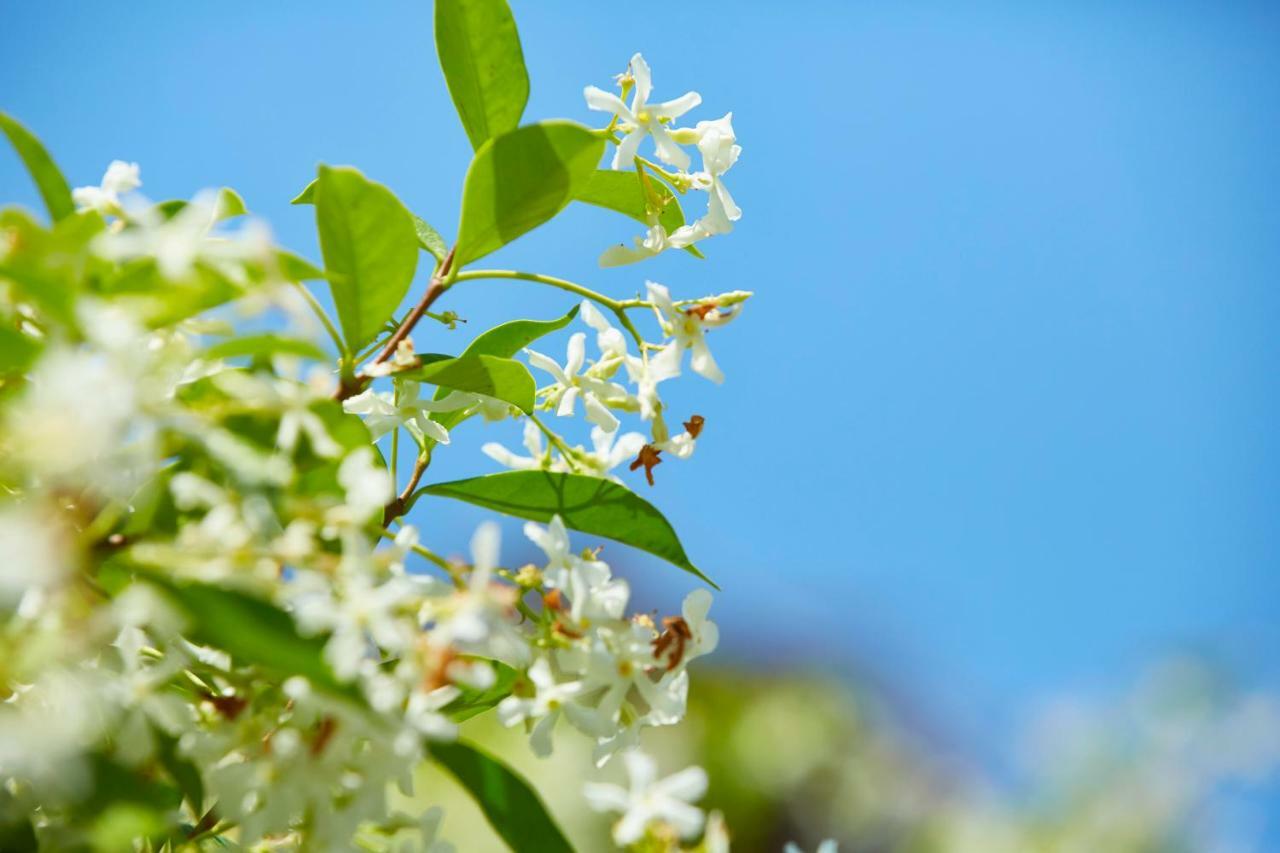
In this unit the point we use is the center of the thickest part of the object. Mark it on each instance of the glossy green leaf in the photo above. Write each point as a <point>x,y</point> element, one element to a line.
<point>428,237</point>
<point>252,631</point>
<point>520,180</point>
<point>473,702</point>
<point>295,268</point>
<point>505,341</point>
<point>503,378</point>
<point>308,194</point>
<point>370,250</point>
<point>509,803</point>
<point>483,65</point>
<point>48,178</point>
<point>257,346</point>
<point>595,506</point>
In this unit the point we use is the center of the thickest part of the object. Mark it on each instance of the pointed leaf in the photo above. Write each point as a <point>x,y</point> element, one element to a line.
<point>428,237</point>
<point>504,340</point>
<point>502,378</point>
<point>265,344</point>
<point>595,506</point>
<point>370,250</point>
<point>48,178</point>
<point>483,65</point>
<point>520,180</point>
<point>511,806</point>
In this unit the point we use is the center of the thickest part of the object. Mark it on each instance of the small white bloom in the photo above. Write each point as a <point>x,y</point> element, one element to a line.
<point>382,413</point>
<point>550,700</point>
<point>642,118</point>
<point>120,178</point>
<point>688,329</point>
<point>478,619</point>
<point>537,459</point>
<point>647,371</point>
<point>719,149</point>
<point>572,382</point>
<point>650,800</point>
<point>368,485</point>
<point>655,241</point>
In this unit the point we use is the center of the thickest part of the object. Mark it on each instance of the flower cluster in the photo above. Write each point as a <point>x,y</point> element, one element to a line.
<point>211,592</point>
<point>715,141</point>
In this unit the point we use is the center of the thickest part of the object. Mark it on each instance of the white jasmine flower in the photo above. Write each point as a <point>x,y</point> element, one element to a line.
<point>650,800</point>
<point>549,701</point>
<point>688,329</point>
<point>382,413</point>
<point>642,118</point>
<point>705,633</point>
<point>572,382</point>
<point>120,178</point>
<point>180,243</point>
<point>609,340</point>
<point>537,459</point>
<point>654,242</point>
<point>719,149</point>
<point>609,450</point>
<point>584,581</point>
<point>649,369</point>
<point>478,619</point>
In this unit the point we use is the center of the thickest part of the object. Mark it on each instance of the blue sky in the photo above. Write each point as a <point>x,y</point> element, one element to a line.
<point>1000,421</point>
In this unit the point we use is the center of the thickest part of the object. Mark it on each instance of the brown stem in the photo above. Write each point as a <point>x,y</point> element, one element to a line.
<point>397,507</point>
<point>354,385</point>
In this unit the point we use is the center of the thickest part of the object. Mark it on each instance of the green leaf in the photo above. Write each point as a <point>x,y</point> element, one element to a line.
<point>473,702</point>
<point>252,631</point>
<point>308,194</point>
<point>17,351</point>
<point>589,504</point>
<point>48,178</point>
<point>520,180</point>
<point>265,344</point>
<point>511,806</point>
<point>483,65</point>
<point>370,250</point>
<point>429,238</point>
<point>295,268</point>
<point>504,341</point>
<point>622,192</point>
<point>503,378</point>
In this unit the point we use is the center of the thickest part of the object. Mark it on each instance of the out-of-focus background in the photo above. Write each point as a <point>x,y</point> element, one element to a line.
<point>991,487</point>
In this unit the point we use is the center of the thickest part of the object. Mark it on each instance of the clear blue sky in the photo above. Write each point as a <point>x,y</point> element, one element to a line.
<point>1001,420</point>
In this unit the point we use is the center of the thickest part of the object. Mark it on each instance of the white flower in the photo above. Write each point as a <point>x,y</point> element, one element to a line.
<point>120,177</point>
<point>572,382</point>
<point>382,413</point>
<point>688,330</point>
<point>477,620</point>
<point>181,242</point>
<point>720,151</point>
<point>650,800</point>
<point>367,484</point>
<point>609,450</point>
<point>643,118</point>
<point>705,633</point>
<point>649,369</point>
<point>537,459</point>
<point>609,340</point>
<point>549,701</point>
<point>586,582</point>
<point>36,556</point>
<point>655,241</point>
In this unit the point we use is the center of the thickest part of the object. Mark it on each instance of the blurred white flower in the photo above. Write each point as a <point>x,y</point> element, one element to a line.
<point>120,178</point>
<point>650,800</point>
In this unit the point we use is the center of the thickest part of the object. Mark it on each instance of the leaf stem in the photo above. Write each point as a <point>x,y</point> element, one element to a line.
<point>556,441</point>
<point>618,308</point>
